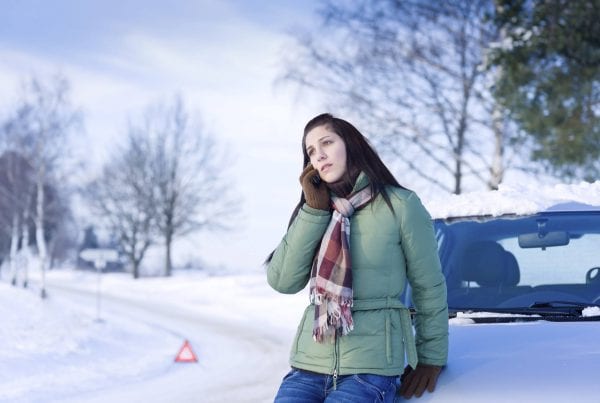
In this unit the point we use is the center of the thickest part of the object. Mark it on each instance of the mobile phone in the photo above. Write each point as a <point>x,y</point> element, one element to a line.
<point>316,180</point>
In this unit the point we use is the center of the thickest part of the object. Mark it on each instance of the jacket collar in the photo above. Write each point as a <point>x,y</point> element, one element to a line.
<point>361,182</point>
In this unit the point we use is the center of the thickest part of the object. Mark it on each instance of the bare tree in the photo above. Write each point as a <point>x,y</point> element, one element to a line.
<point>191,192</point>
<point>165,183</point>
<point>16,192</point>
<point>413,74</point>
<point>39,130</point>
<point>18,201</point>
<point>123,197</point>
<point>59,226</point>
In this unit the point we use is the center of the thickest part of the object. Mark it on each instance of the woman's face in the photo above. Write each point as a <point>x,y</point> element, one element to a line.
<point>327,153</point>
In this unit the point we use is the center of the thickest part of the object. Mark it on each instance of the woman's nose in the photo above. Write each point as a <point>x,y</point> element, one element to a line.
<point>321,155</point>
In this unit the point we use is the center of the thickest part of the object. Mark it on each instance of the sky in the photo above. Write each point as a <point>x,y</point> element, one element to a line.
<point>222,57</point>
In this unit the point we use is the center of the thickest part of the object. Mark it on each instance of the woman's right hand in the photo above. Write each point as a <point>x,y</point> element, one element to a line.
<point>316,195</point>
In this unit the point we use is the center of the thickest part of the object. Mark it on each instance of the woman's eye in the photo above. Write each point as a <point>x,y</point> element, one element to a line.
<point>326,142</point>
<point>310,152</point>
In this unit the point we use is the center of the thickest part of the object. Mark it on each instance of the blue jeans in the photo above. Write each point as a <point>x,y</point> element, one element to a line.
<point>305,387</point>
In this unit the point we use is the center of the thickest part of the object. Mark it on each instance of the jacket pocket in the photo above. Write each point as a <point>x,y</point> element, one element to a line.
<point>299,331</point>
<point>388,338</point>
<point>377,385</point>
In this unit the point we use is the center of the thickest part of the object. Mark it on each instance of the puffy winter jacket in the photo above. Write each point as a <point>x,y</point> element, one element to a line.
<point>387,248</point>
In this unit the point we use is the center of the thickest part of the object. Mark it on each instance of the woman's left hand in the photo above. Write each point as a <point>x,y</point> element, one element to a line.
<point>414,382</point>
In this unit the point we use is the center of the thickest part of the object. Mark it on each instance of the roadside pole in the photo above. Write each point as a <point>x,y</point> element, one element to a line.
<point>100,264</point>
<point>100,257</point>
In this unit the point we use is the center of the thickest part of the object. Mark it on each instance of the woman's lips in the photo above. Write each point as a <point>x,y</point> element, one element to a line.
<point>325,167</point>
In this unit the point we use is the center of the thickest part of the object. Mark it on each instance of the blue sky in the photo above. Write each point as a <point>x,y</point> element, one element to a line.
<point>221,56</point>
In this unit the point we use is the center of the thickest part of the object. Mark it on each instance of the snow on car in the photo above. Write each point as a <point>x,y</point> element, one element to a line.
<point>522,267</point>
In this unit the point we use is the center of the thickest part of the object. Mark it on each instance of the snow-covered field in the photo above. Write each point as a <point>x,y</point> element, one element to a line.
<point>57,350</point>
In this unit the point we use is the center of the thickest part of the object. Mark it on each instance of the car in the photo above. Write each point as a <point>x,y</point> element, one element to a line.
<point>523,276</point>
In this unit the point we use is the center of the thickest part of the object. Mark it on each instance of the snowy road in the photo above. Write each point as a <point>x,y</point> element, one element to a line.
<point>243,360</point>
<point>236,363</point>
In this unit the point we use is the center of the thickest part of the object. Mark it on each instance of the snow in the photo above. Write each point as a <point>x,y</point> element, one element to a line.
<point>48,346</point>
<point>590,311</point>
<point>471,315</point>
<point>513,200</point>
<point>461,321</point>
<point>467,318</point>
<point>56,350</point>
<point>519,37</point>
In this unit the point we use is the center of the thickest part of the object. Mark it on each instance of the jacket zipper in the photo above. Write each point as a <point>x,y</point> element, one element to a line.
<point>336,362</point>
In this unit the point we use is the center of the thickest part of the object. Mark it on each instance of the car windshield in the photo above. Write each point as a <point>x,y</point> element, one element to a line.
<point>548,259</point>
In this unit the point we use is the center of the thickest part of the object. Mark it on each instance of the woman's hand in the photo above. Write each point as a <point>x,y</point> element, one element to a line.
<point>414,382</point>
<point>317,196</point>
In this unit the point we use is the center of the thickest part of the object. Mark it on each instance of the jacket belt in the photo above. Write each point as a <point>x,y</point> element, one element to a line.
<point>405,321</point>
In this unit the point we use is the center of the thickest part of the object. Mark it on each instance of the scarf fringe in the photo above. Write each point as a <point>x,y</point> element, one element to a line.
<point>338,319</point>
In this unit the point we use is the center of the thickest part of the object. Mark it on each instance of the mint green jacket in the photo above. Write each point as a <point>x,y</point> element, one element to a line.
<point>387,249</point>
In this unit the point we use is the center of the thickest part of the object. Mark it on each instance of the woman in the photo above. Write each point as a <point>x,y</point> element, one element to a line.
<point>356,236</point>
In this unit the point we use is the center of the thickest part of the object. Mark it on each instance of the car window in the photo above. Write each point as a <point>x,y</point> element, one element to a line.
<point>556,265</point>
<point>518,261</point>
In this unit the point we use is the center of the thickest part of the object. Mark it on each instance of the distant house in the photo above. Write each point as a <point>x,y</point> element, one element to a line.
<point>90,242</point>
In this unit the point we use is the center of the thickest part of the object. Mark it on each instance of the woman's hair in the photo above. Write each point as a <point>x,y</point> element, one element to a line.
<point>360,156</point>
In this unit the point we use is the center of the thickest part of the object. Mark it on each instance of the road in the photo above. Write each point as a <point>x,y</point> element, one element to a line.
<point>236,362</point>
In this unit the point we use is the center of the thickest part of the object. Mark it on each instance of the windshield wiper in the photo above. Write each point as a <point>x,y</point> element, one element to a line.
<point>537,311</point>
<point>504,314</point>
<point>562,304</point>
<point>532,310</point>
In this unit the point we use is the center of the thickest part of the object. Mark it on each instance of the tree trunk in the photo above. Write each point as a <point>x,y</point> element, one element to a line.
<point>39,234</point>
<point>458,177</point>
<point>24,255</point>
<point>458,156</point>
<point>497,166</point>
<point>168,264</point>
<point>14,241</point>
<point>136,268</point>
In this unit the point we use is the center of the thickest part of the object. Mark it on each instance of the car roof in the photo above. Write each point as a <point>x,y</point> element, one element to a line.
<point>572,207</point>
<point>517,201</point>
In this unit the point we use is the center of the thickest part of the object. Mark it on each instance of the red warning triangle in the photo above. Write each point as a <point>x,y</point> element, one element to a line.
<point>186,354</point>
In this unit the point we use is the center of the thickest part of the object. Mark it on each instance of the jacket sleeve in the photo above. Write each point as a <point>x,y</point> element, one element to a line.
<point>428,284</point>
<point>289,269</point>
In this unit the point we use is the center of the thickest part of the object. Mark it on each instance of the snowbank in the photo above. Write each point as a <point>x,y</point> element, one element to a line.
<point>55,350</point>
<point>51,349</point>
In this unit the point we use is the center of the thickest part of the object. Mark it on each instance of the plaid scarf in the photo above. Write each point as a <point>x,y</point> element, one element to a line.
<point>331,274</point>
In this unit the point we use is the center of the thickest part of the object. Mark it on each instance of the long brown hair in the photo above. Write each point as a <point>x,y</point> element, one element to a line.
<point>360,156</point>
